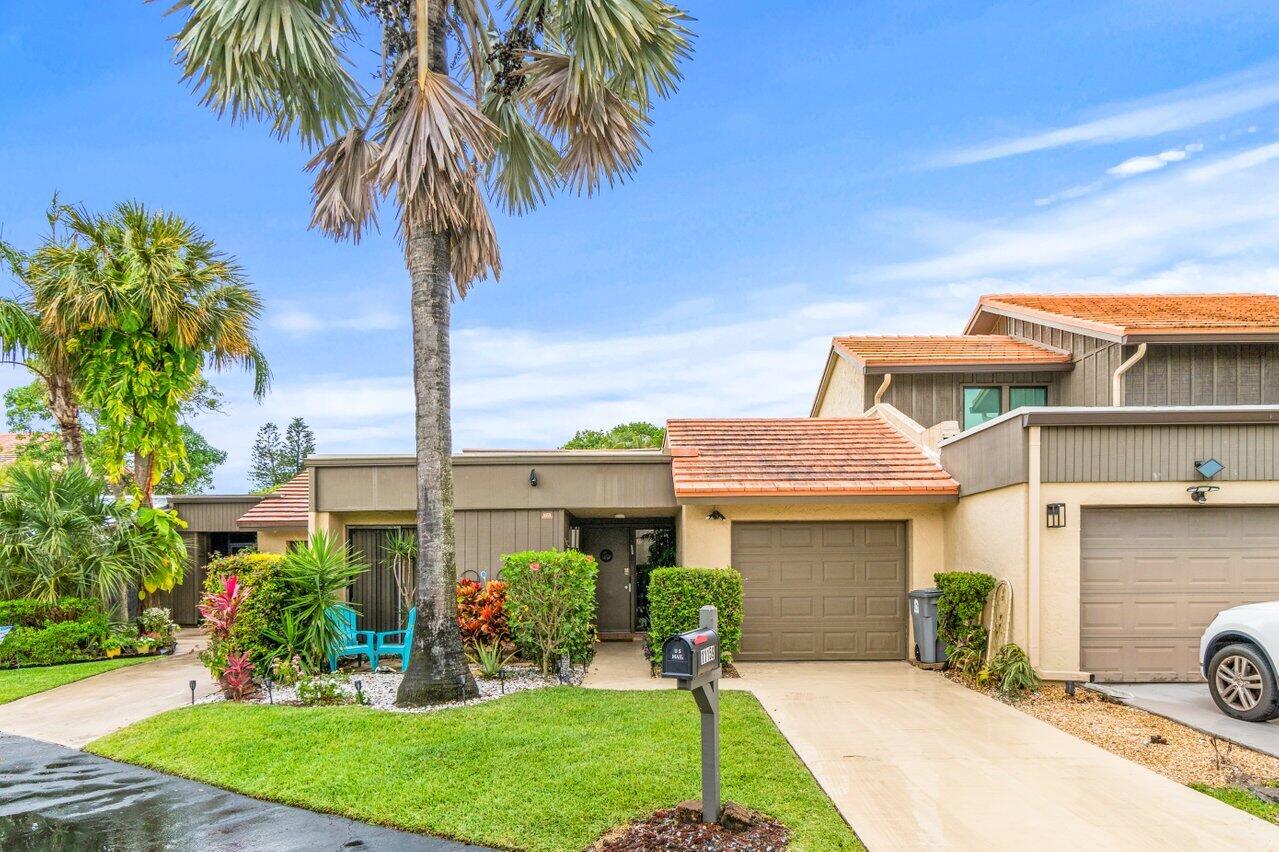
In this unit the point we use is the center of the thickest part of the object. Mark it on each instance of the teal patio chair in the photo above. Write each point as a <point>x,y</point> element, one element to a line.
<point>389,646</point>
<point>355,643</point>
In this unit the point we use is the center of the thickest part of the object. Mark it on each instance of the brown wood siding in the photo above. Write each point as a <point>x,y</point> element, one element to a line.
<point>1154,453</point>
<point>1095,362</point>
<point>484,536</point>
<point>930,398</point>
<point>1221,374</point>
<point>374,594</point>
<point>213,516</point>
<point>183,601</point>
<point>989,459</point>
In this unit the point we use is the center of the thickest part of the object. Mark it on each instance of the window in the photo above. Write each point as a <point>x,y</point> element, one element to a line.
<point>1024,397</point>
<point>982,404</point>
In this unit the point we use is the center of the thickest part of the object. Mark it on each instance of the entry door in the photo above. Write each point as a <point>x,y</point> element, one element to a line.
<point>611,547</point>
<point>374,593</point>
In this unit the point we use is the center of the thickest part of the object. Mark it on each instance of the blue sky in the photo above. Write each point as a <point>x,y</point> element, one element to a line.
<point>857,168</point>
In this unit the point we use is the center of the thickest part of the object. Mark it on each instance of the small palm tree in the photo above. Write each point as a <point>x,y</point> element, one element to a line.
<point>512,99</point>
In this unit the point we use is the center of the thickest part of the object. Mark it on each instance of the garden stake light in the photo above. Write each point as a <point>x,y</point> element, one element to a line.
<point>270,695</point>
<point>191,684</point>
<point>359,691</point>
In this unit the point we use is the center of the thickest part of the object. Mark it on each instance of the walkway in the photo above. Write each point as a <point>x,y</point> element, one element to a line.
<point>54,797</point>
<point>914,761</point>
<point>80,712</point>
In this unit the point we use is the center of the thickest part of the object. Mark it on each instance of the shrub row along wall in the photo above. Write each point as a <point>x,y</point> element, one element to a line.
<point>676,594</point>
<point>66,631</point>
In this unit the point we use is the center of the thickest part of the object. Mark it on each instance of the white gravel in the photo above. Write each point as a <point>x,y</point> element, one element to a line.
<point>380,688</point>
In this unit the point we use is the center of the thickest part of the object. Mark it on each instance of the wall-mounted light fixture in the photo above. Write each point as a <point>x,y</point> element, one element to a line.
<point>532,477</point>
<point>1056,516</point>
<point>716,515</point>
<point>1210,468</point>
<point>1199,493</point>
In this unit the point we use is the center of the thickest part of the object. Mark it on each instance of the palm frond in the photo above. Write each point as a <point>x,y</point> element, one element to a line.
<point>524,170</point>
<point>278,60</point>
<point>344,195</point>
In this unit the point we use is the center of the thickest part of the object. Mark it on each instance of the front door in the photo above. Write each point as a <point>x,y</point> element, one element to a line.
<point>611,547</point>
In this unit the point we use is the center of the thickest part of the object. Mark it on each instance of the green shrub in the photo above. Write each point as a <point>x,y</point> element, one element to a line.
<point>676,594</point>
<point>28,612</point>
<point>59,642</point>
<point>1012,672</point>
<point>963,597</point>
<point>261,616</point>
<point>550,604</point>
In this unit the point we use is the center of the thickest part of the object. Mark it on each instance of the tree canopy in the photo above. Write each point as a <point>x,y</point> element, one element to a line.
<point>623,436</point>
<point>278,458</point>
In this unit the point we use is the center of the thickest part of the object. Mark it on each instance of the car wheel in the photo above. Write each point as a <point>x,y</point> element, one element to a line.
<point>1243,684</point>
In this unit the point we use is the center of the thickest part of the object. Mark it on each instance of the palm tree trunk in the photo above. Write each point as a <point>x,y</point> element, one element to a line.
<point>67,414</point>
<point>438,670</point>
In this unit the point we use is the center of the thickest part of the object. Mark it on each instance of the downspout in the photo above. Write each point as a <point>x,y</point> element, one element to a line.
<point>1117,381</point>
<point>879,394</point>
<point>1032,545</point>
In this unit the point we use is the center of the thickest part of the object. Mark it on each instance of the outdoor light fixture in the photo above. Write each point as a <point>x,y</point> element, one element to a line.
<point>1199,493</point>
<point>1056,516</point>
<point>716,515</point>
<point>1210,468</point>
<point>532,477</point>
<point>191,684</point>
<point>270,693</point>
<point>359,691</point>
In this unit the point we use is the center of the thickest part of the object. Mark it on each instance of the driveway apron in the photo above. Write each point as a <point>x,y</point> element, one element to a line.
<point>914,761</point>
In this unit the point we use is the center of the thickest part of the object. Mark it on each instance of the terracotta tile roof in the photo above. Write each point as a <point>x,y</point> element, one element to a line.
<point>825,456</point>
<point>1199,313</point>
<point>287,506</point>
<point>10,443</point>
<point>947,349</point>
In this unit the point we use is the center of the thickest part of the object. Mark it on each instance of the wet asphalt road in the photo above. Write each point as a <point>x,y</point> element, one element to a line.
<point>56,798</point>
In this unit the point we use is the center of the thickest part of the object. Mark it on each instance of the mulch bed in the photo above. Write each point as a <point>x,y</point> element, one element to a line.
<point>671,830</point>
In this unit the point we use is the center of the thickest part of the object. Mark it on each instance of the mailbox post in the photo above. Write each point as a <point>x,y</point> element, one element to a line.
<point>693,660</point>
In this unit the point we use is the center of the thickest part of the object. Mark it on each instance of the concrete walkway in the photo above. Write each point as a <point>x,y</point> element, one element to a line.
<point>914,761</point>
<point>80,712</point>
<point>56,798</point>
<point>1190,704</point>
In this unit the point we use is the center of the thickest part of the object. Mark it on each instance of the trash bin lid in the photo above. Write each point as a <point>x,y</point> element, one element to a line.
<point>925,593</point>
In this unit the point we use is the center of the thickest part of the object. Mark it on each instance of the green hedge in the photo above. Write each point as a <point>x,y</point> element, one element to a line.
<point>57,642</point>
<point>963,597</point>
<point>262,613</point>
<point>25,612</point>
<point>550,604</point>
<point>676,594</point>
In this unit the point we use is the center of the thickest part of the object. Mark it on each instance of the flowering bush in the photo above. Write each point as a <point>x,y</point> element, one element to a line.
<point>550,603</point>
<point>156,624</point>
<point>481,612</point>
<point>288,671</point>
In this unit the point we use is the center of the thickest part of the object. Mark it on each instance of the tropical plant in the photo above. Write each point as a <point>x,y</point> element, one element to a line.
<point>490,658</point>
<point>287,671</point>
<point>318,574</point>
<point>1012,672</point>
<point>149,302</point>
<point>481,611</point>
<point>623,436</point>
<point>219,609</point>
<point>401,546</point>
<point>60,536</point>
<point>260,624</point>
<point>157,623</point>
<point>959,610</point>
<point>237,677</point>
<point>550,603</point>
<point>540,95</point>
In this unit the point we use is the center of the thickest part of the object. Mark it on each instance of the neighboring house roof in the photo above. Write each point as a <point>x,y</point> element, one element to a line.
<point>287,506</point>
<point>948,350</point>
<point>1164,314</point>
<point>10,443</point>
<point>799,456</point>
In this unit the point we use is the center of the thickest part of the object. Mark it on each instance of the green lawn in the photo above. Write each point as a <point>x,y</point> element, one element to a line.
<point>548,769</point>
<point>19,683</point>
<point>1243,800</point>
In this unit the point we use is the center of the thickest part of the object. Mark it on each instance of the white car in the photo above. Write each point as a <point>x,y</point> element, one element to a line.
<point>1236,654</point>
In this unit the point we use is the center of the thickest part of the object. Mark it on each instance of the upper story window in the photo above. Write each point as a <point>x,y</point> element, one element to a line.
<point>983,403</point>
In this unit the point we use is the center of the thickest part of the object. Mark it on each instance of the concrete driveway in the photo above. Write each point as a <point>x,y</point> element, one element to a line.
<point>1190,704</point>
<point>914,761</point>
<point>80,712</point>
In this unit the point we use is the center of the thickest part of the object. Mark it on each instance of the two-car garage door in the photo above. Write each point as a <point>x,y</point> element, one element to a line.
<point>822,591</point>
<point>1152,579</point>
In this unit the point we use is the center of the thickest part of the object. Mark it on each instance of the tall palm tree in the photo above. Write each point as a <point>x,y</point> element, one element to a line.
<point>130,274</point>
<point>519,97</point>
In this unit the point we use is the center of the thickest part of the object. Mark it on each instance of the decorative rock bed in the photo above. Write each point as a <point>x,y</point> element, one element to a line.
<point>380,687</point>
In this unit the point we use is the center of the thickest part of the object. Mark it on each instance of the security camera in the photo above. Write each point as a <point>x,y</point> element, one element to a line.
<point>1199,493</point>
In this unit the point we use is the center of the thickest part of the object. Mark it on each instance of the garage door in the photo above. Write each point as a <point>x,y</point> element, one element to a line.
<point>828,591</point>
<point>1152,580</point>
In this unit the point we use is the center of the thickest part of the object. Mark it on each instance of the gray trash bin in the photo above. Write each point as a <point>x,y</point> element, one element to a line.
<point>929,648</point>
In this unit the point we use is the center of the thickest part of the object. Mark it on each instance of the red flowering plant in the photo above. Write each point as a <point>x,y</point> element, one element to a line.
<point>481,612</point>
<point>231,666</point>
<point>237,678</point>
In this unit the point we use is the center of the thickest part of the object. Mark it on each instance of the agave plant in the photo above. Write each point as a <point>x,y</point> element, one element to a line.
<point>318,574</point>
<point>473,102</point>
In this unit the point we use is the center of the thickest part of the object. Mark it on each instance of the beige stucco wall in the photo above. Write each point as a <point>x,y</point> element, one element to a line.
<point>844,392</point>
<point>988,532</point>
<point>277,540</point>
<point>336,523</point>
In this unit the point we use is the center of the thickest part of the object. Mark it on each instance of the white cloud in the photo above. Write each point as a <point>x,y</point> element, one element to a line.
<point>1180,109</point>
<point>300,321</point>
<point>1154,162</point>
